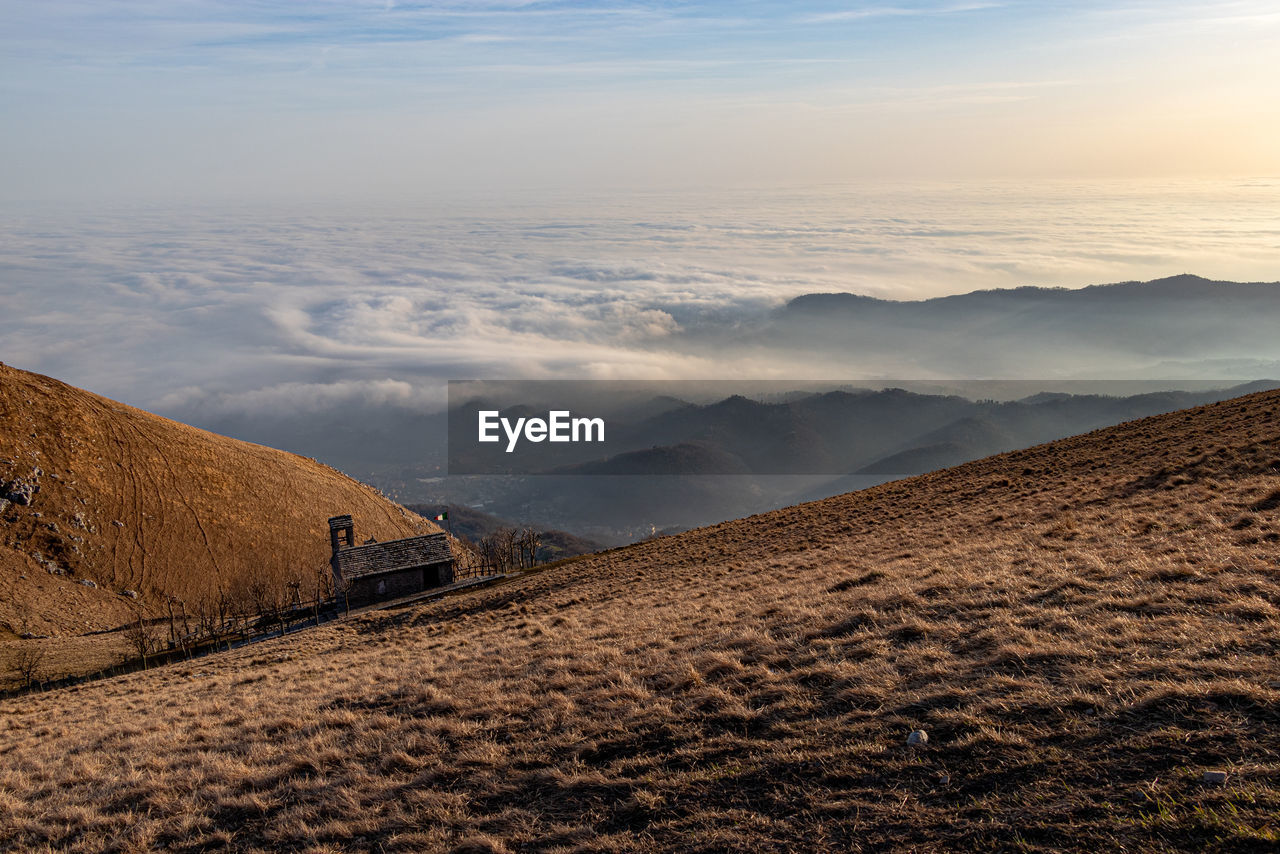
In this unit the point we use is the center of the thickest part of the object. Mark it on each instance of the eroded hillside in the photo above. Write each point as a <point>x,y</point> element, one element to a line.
<point>102,502</point>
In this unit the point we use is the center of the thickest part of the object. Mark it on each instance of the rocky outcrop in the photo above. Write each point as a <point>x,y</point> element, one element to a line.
<point>20,491</point>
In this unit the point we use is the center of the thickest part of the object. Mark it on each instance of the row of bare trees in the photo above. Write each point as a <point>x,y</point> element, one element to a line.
<point>508,549</point>
<point>264,605</point>
<point>259,606</point>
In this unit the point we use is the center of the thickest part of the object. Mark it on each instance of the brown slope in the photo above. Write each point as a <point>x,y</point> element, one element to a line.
<point>1082,628</point>
<point>131,501</point>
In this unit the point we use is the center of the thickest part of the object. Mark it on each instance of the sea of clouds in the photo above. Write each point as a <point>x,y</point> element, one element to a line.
<point>200,311</point>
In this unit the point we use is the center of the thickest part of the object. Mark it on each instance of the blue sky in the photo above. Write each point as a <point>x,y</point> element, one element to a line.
<point>203,99</point>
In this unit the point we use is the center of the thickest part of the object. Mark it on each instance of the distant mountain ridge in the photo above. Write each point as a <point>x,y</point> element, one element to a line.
<point>1183,327</point>
<point>845,432</point>
<point>1183,286</point>
<point>1179,327</point>
<point>698,464</point>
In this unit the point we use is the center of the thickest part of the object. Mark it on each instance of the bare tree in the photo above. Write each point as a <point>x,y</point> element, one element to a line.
<point>490,551</point>
<point>206,616</point>
<point>269,602</point>
<point>468,559</point>
<point>295,590</point>
<point>179,640</point>
<point>30,665</point>
<point>321,587</point>
<point>530,541</point>
<point>226,606</point>
<point>141,638</point>
<point>508,545</point>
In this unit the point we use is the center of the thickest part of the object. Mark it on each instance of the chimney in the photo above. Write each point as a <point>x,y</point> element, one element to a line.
<point>342,534</point>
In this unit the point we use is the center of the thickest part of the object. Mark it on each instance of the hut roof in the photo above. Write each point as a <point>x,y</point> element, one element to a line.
<point>392,555</point>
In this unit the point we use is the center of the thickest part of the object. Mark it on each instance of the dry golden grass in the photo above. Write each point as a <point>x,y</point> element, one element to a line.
<point>132,501</point>
<point>1082,629</point>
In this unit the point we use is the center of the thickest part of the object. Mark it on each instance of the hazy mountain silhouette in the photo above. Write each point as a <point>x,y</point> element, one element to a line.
<point>1199,326</point>
<point>862,432</point>
<point>1181,327</point>
<point>873,435</point>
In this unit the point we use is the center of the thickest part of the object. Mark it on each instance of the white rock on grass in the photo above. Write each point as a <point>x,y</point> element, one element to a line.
<point>917,737</point>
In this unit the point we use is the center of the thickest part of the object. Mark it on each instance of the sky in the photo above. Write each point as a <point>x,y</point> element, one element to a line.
<point>198,100</point>
<point>256,207</point>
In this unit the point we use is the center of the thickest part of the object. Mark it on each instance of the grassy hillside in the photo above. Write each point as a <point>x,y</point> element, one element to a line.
<point>127,501</point>
<point>1082,629</point>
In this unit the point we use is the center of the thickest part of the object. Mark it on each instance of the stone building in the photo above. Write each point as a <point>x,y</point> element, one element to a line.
<point>388,570</point>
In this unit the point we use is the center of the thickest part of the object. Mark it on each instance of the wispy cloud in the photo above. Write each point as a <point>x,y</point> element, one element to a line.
<point>869,12</point>
<point>201,98</point>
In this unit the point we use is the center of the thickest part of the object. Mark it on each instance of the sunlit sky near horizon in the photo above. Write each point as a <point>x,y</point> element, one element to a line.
<point>154,99</point>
